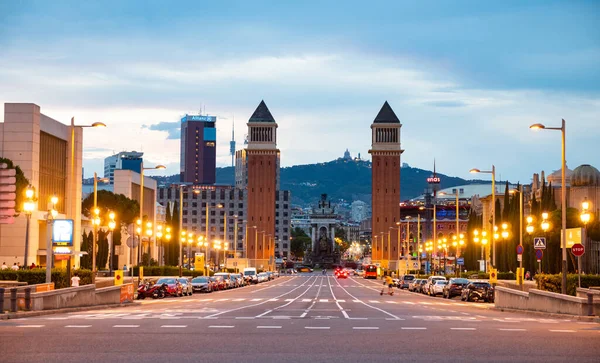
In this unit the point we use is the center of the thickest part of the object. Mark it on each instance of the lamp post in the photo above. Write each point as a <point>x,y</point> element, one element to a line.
<point>563,198</point>
<point>111,225</point>
<point>585,217</point>
<point>71,210</point>
<point>28,207</point>
<point>520,191</point>
<point>235,234</point>
<point>544,225</point>
<point>52,213</point>
<point>493,173</point>
<point>96,223</point>
<point>142,200</point>
<point>159,235</point>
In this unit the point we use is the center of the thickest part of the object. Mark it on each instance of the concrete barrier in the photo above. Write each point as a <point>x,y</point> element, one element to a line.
<point>595,292</point>
<point>64,298</point>
<point>109,295</point>
<point>510,298</point>
<point>21,292</point>
<point>543,301</point>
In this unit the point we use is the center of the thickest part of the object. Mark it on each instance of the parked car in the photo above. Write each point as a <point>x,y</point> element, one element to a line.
<point>239,278</point>
<point>478,291</point>
<point>426,289</point>
<point>276,273</point>
<point>202,284</point>
<point>437,287</point>
<point>415,285</point>
<point>263,277</point>
<point>173,286</point>
<point>229,284</point>
<point>251,275</point>
<point>269,275</point>
<point>454,287</point>
<point>186,285</point>
<point>219,282</point>
<point>405,281</point>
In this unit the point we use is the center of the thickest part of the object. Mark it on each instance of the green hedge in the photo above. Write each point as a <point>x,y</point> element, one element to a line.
<point>166,271</point>
<point>486,276</point>
<point>38,276</point>
<point>553,283</point>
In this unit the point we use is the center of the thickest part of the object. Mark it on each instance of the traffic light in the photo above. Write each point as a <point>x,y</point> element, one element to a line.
<point>8,195</point>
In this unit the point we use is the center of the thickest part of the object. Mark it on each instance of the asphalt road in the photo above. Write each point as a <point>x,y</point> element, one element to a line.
<point>303,318</point>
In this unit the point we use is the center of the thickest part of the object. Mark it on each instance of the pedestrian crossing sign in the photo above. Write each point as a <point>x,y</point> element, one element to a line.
<point>539,243</point>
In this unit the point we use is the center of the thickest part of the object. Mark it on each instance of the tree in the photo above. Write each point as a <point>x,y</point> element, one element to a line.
<point>300,242</point>
<point>173,245</point>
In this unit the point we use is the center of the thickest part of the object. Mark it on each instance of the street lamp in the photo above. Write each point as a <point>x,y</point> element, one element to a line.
<point>111,225</point>
<point>493,173</point>
<point>95,223</point>
<point>28,207</point>
<point>142,200</point>
<point>563,198</point>
<point>159,235</point>
<point>50,216</point>
<point>520,257</point>
<point>585,217</point>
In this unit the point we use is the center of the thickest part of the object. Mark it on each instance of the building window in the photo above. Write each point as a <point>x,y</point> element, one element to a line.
<point>285,206</point>
<point>240,205</point>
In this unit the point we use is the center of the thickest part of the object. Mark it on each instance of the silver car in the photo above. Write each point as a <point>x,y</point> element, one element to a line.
<point>186,285</point>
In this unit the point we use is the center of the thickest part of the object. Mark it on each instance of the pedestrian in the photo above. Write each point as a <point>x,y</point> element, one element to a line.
<point>527,275</point>
<point>15,267</point>
<point>75,280</point>
<point>19,265</point>
<point>4,267</point>
<point>32,266</point>
<point>124,267</point>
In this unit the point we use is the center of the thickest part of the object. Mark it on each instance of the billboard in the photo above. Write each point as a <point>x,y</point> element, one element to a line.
<point>62,232</point>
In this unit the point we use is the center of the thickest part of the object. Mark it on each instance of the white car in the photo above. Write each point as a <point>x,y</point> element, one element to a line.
<point>429,284</point>
<point>263,277</point>
<point>438,287</point>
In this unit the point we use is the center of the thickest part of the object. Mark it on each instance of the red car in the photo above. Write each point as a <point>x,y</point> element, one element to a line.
<point>219,283</point>
<point>174,288</point>
<point>337,271</point>
<point>343,274</point>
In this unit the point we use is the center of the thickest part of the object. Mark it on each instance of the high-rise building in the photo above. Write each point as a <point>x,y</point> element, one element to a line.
<point>385,151</point>
<point>125,160</point>
<point>198,149</point>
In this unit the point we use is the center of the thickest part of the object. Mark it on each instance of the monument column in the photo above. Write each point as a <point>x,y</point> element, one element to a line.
<point>385,188</point>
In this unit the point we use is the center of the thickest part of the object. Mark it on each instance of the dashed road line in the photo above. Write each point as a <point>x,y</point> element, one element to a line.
<point>509,329</point>
<point>317,327</point>
<point>126,326</point>
<point>77,326</point>
<point>562,331</point>
<point>463,329</point>
<point>268,327</point>
<point>173,326</point>
<point>221,326</point>
<point>365,328</point>
<point>413,328</point>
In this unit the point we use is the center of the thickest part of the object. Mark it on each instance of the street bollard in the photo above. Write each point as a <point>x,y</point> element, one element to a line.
<point>28,298</point>
<point>13,300</point>
<point>590,301</point>
<point>1,300</point>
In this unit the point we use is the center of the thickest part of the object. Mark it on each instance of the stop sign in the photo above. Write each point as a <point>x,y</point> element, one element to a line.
<point>578,249</point>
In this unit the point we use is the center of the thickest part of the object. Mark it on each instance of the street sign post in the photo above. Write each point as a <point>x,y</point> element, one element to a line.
<point>539,243</point>
<point>519,250</point>
<point>578,250</point>
<point>493,276</point>
<point>460,261</point>
<point>538,255</point>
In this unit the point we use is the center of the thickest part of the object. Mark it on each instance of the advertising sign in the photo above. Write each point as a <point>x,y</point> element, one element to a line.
<point>126,293</point>
<point>199,261</point>
<point>62,232</point>
<point>574,235</point>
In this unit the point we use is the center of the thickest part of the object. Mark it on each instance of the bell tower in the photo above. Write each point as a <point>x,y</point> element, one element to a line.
<point>263,163</point>
<point>385,193</point>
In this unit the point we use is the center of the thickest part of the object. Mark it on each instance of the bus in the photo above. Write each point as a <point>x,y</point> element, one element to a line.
<point>370,271</point>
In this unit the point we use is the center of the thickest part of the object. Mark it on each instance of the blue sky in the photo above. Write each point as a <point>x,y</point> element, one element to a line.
<point>466,78</point>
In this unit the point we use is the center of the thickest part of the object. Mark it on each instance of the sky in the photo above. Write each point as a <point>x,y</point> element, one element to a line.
<point>465,78</point>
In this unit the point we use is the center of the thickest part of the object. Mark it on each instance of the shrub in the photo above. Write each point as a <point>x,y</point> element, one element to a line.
<point>553,283</point>
<point>38,276</point>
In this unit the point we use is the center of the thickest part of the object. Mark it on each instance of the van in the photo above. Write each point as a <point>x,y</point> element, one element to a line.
<point>250,275</point>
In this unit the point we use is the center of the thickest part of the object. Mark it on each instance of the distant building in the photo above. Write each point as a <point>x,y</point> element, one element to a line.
<point>359,211</point>
<point>347,155</point>
<point>125,160</point>
<point>198,149</point>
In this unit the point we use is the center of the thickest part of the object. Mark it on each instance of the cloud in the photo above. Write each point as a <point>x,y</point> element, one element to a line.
<point>173,129</point>
<point>446,104</point>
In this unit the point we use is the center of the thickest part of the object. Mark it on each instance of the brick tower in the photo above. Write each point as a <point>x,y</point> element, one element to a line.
<point>385,151</point>
<point>262,163</point>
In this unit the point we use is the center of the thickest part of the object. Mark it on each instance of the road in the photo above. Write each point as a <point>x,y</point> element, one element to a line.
<point>302,318</point>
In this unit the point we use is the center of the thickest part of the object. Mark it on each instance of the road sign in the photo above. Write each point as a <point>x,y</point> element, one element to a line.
<point>519,250</point>
<point>118,277</point>
<point>539,243</point>
<point>460,261</point>
<point>493,276</point>
<point>578,250</point>
<point>519,257</point>
<point>415,265</point>
<point>539,254</point>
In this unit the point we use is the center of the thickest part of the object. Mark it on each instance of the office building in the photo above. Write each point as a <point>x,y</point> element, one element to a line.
<point>125,160</point>
<point>198,149</point>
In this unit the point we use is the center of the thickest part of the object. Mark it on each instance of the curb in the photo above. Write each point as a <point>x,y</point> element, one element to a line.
<point>28,314</point>
<point>594,319</point>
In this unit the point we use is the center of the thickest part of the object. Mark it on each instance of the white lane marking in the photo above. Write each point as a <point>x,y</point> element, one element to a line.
<point>173,326</point>
<point>509,329</point>
<point>268,327</point>
<point>30,326</point>
<point>391,319</point>
<point>413,328</point>
<point>170,317</point>
<point>242,299</point>
<point>255,299</point>
<point>317,327</point>
<point>391,302</point>
<point>245,318</point>
<point>282,317</point>
<point>77,326</point>
<point>306,300</point>
<point>323,300</point>
<point>126,326</point>
<point>374,301</point>
<point>463,329</point>
<point>364,303</point>
<point>288,300</point>
<point>365,328</point>
<point>562,331</point>
<point>280,284</point>
<point>337,301</point>
<point>221,326</point>
<point>341,301</point>
<point>360,319</point>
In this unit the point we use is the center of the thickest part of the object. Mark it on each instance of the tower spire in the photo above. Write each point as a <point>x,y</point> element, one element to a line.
<point>232,142</point>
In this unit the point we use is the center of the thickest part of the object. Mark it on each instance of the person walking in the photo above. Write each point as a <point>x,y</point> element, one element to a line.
<point>15,267</point>
<point>4,267</point>
<point>75,280</point>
